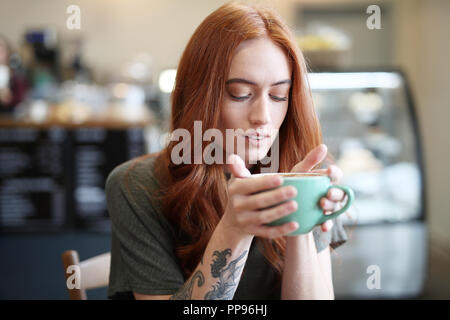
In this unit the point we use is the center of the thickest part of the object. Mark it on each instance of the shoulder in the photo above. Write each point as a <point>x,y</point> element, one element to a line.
<point>133,196</point>
<point>134,181</point>
<point>133,173</point>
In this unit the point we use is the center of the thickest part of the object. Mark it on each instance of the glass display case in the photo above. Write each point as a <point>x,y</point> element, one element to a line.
<point>371,131</point>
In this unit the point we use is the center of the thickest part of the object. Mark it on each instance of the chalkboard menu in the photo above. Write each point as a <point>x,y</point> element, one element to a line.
<point>52,179</point>
<point>96,152</point>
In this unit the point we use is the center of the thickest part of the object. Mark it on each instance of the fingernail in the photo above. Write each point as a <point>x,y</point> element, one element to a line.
<point>333,192</point>
<point>231,159</point>
<point>292,192</point>
<point>246,173</point>
<point>293,205</point>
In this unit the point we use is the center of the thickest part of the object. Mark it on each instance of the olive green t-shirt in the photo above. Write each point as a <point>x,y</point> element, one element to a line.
<point>143,258</point>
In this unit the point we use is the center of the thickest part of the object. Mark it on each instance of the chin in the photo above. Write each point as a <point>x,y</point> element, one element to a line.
<point>255,155</point>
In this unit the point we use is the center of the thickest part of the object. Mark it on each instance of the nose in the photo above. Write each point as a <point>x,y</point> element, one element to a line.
<point>259,112</point>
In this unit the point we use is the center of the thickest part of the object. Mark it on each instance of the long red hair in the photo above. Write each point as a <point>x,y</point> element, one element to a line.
<point>194,196</point>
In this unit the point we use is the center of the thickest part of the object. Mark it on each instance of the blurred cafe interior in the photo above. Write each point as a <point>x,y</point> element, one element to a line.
<point>79,98</point>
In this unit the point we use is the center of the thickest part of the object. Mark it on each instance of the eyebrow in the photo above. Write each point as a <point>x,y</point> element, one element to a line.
<point>240,80</point>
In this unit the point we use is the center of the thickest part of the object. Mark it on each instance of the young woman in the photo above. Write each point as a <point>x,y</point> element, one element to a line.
<point>198,230</point>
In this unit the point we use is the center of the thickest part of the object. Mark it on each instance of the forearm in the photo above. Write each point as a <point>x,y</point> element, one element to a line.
<point>303,275</point>
<point>218,273</point>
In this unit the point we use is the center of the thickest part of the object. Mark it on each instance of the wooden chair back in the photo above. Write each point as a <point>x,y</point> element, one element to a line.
<point>88,274</point>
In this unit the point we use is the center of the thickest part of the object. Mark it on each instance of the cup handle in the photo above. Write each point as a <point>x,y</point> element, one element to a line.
<point>350,197</point>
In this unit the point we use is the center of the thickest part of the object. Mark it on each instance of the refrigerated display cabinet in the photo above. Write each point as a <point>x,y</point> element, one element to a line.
<point>371,130</point>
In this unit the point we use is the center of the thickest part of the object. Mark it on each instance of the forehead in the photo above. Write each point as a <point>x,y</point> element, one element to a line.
<point>260,60</point>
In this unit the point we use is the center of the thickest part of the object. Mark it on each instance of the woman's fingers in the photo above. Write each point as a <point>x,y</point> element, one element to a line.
<point>237,167</point>
<point>268,215</point>
<point>264,199</point>
<point>333,204</point>
<point>334,172</point>
<point>313,158</point>
<point>335,194</point>
<point>333,199</point>
<point>250,195</point>
<point>326,226</point>
<point>255,184</point>
<point>254,222</point>
<point>330,204</point>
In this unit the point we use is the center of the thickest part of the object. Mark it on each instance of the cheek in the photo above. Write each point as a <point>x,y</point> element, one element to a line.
<point>278,115</point>
<point>232,118</point>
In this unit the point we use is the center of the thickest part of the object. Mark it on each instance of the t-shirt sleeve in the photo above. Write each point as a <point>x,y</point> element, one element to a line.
<point>333,238</point>
<point>144,245</point>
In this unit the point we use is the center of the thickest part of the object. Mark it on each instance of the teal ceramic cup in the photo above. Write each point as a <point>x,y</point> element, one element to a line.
<point>311,187</point>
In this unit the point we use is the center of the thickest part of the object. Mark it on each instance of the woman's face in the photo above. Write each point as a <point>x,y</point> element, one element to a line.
<point>256,97</point>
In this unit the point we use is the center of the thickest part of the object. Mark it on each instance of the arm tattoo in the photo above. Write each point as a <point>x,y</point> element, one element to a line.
<point>227,284</point>
<point>225,287</point>
<point>185,293</point>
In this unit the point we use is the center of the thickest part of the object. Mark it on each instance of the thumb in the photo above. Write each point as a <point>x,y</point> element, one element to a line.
<point>313,158</point>
<point>237,167</point>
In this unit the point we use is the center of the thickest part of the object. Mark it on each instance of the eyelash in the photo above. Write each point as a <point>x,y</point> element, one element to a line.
<point>278,99</point>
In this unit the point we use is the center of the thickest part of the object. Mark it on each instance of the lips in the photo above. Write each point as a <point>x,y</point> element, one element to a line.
<point>256,139</point>
<point>258,135</point>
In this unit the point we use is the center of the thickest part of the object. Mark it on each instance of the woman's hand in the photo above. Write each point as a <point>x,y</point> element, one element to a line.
<point>334,198</point>
<point>247,212</point>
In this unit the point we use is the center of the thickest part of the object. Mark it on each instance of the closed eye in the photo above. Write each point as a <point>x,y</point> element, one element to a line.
<point>240,98</point>
<point>278,98</point>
